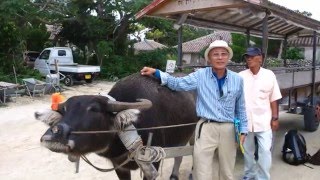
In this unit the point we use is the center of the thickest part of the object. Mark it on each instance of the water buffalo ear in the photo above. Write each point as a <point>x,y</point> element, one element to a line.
<point>125,118</point>
<point>48,116</point>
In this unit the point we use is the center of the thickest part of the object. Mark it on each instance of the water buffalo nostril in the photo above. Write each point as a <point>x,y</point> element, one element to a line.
<point>55,129</point>
<point>36,115</point>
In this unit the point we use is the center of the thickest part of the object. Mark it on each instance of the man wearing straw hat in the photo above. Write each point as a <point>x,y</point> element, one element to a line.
<point>220,98</point>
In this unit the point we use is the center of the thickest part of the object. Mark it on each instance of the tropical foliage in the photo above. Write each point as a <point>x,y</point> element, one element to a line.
<point>102,32</point>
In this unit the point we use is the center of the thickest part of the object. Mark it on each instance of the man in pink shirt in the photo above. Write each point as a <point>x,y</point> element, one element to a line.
<point>261,94</point>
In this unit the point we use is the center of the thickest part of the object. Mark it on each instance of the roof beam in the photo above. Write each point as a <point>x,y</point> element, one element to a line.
<point>229,16</point>
<point>275,21</point>
<point>259,23</point>
<point>228,27</point>
<point>285,31</point>
<point>296,18</point>
<point>294,31</point>
<point>240,18</point>
<point>284,28</point>
<point>186,6</point>
<point>280,25</point>
<point>216,22</point>
<point>221,13</point>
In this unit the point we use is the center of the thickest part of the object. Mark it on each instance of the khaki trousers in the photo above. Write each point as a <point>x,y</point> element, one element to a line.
<point>215,151</point>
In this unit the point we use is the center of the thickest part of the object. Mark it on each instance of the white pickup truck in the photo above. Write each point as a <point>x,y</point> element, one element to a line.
<point>45,64</point>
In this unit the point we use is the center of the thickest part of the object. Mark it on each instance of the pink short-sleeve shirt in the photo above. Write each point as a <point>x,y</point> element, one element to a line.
<point>259,90</point>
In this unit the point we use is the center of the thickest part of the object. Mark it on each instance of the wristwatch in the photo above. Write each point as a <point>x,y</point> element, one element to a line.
<point>245,134</point>
<point>274,118</point>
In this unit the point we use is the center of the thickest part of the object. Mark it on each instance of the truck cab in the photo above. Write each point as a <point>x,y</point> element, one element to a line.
<point>48,55</point>
<point>45,64</point>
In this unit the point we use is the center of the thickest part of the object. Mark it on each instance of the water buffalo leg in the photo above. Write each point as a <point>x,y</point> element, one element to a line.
<point>123,174</point>
<point>175,169</point>
<point>156,165</point>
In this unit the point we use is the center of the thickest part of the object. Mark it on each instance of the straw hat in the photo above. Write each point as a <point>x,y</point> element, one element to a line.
<point>216,44</point>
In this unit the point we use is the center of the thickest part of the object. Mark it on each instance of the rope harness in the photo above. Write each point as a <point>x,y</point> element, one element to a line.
<point>144,156</point>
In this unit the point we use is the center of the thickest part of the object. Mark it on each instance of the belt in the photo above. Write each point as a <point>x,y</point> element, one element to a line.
<point>205,121</point>
<point>210,120</point>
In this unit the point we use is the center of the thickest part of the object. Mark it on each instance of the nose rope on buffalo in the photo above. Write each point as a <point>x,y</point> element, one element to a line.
<point>138,129</point>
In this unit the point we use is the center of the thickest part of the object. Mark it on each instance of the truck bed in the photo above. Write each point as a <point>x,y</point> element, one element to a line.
<point>76,68</point>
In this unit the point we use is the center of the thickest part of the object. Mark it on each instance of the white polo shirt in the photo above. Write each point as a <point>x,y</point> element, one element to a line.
<point>259,90</point>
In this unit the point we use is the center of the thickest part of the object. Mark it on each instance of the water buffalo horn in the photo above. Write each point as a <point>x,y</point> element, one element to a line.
<point>117,106</point>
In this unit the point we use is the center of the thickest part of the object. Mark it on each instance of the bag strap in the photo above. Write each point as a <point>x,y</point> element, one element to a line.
<point>296,146</point>
<point>307,166</point>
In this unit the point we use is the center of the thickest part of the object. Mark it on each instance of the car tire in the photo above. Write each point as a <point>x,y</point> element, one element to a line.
<point>68,81</point>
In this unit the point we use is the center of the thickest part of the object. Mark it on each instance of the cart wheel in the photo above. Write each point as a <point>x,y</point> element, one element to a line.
<point>68,81</point>
<point>88,80</point>
<point>58,89</point>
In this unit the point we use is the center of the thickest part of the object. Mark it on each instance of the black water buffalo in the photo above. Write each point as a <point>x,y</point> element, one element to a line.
<point>97,113</point>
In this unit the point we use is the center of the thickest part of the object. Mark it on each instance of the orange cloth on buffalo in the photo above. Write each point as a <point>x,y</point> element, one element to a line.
<point>56,98</point>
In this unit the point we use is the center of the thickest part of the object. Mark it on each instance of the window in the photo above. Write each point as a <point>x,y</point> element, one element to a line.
<point>45,55</point>
<point>62,53</point>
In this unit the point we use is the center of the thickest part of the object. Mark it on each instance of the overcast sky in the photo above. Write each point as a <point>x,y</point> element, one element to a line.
<point>301,5</point>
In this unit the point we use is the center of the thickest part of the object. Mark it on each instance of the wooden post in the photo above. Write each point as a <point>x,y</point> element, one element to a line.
<point>180,48</point>
<point>313,67</point>
<point>284,52</point>
<point>265,37</point>
<point>248,37</point>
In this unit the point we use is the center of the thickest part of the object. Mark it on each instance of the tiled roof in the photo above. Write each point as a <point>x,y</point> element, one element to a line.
<point>196,45</point>
<point>147,45</point>
<point>303,41</point>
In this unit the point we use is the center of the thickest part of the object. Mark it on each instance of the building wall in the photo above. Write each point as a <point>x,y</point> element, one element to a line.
<point>308,53</point>
<point>186,58</point>
<point>193,59</point>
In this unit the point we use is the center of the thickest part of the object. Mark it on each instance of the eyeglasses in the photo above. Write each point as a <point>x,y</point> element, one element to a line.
<point>217,55</point>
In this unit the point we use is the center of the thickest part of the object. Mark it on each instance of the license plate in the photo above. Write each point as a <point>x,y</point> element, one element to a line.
<point>87,76</point>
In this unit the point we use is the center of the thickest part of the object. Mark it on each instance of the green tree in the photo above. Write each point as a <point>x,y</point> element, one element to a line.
<point>101,20</point>
<point>294,53</point>
<point>305,13</point>
<point>239,45</point>
<point>14,30</point>
<point>156,34</point>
